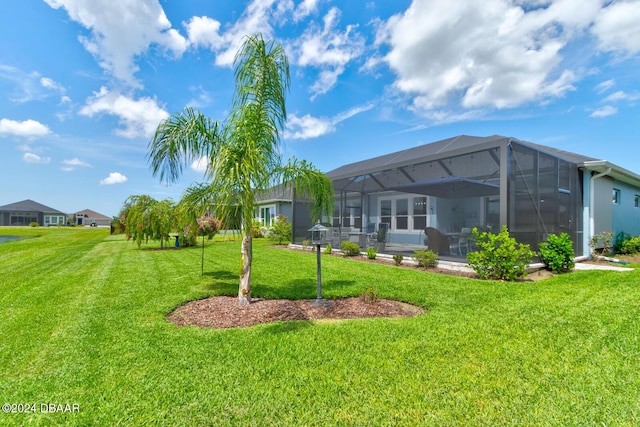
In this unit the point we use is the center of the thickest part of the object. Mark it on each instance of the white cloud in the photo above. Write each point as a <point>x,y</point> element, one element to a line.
<point>493,53</point>
<point>26,129</point>
<point>200,164</point>
<point>72,164</point>
<point>122,30</point>
<point>35,159</point>
<point>48,83</point>
<point>623,96</point>
<point>304,9</point>
<point>28,86</point>
<point>617,29</point>
<point>605,111</point>
<point>605,85</point>
<point>137,118</point>
<point>329,50</point>
<point>114,178</point>
<point>205,32</point>
<point>307,126</point>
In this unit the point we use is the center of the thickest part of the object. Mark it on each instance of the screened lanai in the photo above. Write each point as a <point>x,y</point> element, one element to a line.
<point>456,184</point>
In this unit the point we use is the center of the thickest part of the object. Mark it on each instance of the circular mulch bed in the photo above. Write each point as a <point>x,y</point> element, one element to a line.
<point>225,312</point>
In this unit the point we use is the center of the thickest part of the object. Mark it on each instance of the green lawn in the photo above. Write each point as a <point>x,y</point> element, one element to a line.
<point>82,319</point>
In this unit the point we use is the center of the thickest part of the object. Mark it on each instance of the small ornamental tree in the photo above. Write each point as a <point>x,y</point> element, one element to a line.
<point>499,256</point>
<point>137,224</point>
<point>207,227</point>
<point>557,253</point>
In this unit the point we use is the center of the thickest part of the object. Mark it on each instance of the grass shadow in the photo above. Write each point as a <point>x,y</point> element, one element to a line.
<point>223,281</point>
<point>285,327</point>
<point>301,288</point>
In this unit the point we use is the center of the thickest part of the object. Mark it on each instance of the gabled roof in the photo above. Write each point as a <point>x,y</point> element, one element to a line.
<point>88,213</point>
<point>29,206</point>
<point>278,193</point>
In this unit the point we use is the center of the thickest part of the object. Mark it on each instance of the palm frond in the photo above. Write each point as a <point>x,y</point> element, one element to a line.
<point>181,139</point>
<point>309,183</point>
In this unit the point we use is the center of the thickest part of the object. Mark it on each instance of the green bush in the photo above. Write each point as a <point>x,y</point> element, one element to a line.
<point>328,249</point>
<point>350,248</point>
<point>397,258</point>
<point>281,230</point>
<point>33,224</point>
<point>630,246</point>
<point>499,256</point>
<point>557,253</point>
<point>371,253</point>
<point>425,259</point>
<point>256,229</point>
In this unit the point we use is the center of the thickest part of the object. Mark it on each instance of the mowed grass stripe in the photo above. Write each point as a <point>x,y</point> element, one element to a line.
<point>559,352</point>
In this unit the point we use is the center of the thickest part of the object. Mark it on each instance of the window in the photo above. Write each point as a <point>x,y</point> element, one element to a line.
<point>402,214</point>
<point>615,198</point>
<point>385,211</point>
<point>419,213</point>
<point>267,215</point>
<point>636,201</point>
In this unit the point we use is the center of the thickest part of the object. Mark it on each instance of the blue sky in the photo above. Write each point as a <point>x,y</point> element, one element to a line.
<point>84,83</point>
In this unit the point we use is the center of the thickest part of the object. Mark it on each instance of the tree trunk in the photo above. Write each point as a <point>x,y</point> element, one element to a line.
<point>244,293</point>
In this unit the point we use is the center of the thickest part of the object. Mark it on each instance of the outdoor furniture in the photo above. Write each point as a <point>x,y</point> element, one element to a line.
<point>371,235</point>
<point>465,240</point>
<point>437,241</point>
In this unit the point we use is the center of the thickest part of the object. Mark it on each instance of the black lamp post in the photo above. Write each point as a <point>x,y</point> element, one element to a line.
<point>318,237</point>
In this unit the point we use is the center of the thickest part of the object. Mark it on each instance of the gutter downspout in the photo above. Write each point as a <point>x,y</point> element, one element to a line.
<point>592,226</point>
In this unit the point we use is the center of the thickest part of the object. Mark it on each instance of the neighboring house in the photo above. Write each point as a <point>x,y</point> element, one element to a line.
<point>88,217</point>
<point>28,211</point>
<point>485,182</point>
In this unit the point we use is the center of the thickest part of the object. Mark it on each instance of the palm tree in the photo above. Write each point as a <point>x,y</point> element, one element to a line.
<point>243,151</point>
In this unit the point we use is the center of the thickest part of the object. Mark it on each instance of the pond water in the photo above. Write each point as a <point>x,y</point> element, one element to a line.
<point>4,239</point>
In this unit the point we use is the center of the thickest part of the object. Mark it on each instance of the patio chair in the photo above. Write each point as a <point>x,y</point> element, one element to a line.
<point>465,240</point>
<point>438,242</point>
<point>371,235</point>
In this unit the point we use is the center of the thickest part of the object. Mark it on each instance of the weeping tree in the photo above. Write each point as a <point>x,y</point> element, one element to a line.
<point>145,218</point>
<point>243,151</point>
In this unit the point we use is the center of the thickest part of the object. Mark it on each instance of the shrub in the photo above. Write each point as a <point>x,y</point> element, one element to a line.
<point>371,253</point>
<point>630,246</point>
<point>601,243</point>
<point>350,248</point>
<point>328,249</point>
<point>305,244</point>
<point>397,258</point>
<point>370,296</point>
<point>33,224</point>
<point>281,230</point>
<point>499,256</point>
<point>256,229</point>
<point>557,253</point>
<point>425,259</point>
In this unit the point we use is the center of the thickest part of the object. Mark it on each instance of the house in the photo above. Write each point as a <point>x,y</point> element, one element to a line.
<point>28,211</point>
<point>88,217</point>
<point>487,182</point>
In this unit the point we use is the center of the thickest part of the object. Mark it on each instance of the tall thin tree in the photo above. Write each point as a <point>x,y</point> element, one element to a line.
<point>243,152</point>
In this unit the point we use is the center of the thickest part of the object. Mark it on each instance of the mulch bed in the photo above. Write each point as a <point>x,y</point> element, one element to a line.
<point>225,312</point>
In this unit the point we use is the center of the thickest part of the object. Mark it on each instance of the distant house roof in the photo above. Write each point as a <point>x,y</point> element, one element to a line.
<point>278,193</point>
<point>29,206</point>
<point>88,213</point>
